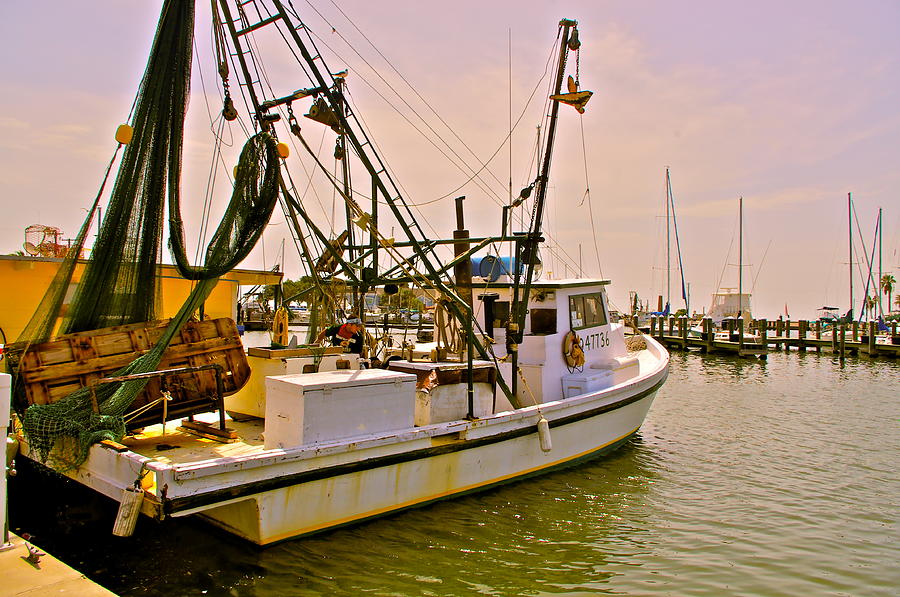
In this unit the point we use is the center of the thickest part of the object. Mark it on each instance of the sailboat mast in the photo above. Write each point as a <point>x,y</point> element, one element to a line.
<point>740,257</point>
<point>880,273</point>
<point>850,242</point>
<point>668,243</point>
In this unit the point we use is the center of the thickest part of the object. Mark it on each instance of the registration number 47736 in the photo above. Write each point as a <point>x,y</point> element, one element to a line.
<point>595,340</point>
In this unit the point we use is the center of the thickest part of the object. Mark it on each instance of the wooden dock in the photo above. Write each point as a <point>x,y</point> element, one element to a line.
<point>35,573</point>
<point>675,332</point>
<point>841,339</point>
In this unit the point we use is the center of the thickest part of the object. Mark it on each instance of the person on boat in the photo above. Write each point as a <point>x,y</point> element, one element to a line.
<point>349,334</point>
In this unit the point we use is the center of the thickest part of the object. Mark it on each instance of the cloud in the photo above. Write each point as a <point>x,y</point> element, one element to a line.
<point>9,123</point>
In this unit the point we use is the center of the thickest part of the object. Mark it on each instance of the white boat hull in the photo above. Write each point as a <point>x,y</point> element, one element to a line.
<point>316,505</point>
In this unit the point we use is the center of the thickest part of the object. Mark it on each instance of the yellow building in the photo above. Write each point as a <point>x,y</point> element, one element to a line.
<point>23,281</point>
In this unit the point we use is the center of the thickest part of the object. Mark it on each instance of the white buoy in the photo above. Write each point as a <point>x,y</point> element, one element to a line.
<point>129,510</point>
<point>543,427</point>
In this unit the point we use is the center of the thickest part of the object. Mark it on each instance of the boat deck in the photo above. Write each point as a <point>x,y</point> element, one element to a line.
<point>176,446</point>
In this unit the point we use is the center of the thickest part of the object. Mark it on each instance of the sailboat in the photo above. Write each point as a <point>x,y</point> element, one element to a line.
<point>276,443</point>
<point>672,225</point>
<point>730,303</point>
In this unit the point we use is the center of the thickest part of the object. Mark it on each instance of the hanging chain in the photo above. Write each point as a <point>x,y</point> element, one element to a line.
<point>229,112</point>
<point>292,121</point>
<point>578,68</point>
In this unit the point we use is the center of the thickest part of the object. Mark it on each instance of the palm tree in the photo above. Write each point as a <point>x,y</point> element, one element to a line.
<point>871,303</point>
<point>887,286</point>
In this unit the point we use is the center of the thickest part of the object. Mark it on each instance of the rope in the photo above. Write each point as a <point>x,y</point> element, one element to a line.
<point>534,401</point>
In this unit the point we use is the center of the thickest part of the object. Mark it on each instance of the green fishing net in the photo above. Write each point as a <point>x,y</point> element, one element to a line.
<point>119,284</point>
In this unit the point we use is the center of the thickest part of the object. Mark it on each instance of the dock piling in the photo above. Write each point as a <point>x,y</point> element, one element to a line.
<point>802,330</point>
<point>818,335</point>
<point>762,325</point>
<point>843,340</point>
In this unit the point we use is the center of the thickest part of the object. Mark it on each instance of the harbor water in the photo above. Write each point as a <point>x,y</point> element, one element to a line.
<point>749,477</point>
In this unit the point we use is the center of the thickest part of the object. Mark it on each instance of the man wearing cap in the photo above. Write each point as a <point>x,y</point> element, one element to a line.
<point>349,335</point>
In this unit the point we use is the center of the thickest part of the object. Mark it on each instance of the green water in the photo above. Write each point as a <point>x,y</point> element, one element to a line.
<point>748,478</point>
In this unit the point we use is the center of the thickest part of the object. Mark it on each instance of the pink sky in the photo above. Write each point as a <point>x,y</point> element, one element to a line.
<point>790,105</point>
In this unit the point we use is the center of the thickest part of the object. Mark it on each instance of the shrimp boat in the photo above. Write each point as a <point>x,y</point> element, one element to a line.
<point>525,374</point>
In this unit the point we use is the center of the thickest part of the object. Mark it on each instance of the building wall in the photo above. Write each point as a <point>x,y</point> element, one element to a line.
<point>23,281</point>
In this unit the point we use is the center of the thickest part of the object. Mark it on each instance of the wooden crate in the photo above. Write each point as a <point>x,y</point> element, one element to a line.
<point>57,368</point>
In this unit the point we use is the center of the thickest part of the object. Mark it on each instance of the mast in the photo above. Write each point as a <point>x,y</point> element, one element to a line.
<point>850,239</point>
<point>668,242</point>
<point>326,89</point>
<point>880,273</point>
<point>356,307</point>
<point>740,257</point>
<point>530,245</point>
<point>684,291</point>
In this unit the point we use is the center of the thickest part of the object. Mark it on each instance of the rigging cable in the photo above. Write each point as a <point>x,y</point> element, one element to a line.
<point>587,197</point>
<point>413,89</point>
<point>727,255</point>
<point>483,166</point>
<point>761,263</point>
<point>473,178</point>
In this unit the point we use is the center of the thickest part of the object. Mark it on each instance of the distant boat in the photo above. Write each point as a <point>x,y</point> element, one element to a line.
<point>733,302</point>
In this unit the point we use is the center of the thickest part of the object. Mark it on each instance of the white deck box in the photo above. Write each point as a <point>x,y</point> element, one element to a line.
<point>251,399</point>
<point>590,380</point>
<point>323,407</point>
<point>442,390</point>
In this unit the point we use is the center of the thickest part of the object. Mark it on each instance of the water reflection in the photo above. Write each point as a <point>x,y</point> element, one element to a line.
<point>748,477</point>
<point>547,534</point>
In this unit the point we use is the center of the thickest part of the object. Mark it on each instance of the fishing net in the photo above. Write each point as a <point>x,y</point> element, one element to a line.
<point>119,284</point>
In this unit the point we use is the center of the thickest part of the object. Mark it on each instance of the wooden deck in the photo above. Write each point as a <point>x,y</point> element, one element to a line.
<point>175,445</point>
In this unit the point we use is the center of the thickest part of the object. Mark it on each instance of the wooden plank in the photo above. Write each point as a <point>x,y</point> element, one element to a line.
<point>209,431</point>
<point>287,353</point>
<point>115,446</point>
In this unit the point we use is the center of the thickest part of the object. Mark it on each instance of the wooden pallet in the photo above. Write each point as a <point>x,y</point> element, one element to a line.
<point>57,368</point>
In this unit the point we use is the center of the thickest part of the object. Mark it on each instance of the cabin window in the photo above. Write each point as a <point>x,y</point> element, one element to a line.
<point>586,310</point>
<point>543,321</point>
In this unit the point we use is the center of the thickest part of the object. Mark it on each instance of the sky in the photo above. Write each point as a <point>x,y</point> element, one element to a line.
<point>790,105</point>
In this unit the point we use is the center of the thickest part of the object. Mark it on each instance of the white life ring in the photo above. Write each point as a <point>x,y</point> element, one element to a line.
<point>573,350</point>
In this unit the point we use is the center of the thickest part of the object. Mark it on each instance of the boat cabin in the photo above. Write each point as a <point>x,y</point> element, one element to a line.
<point>729,303</point>
<point>558,312</point>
